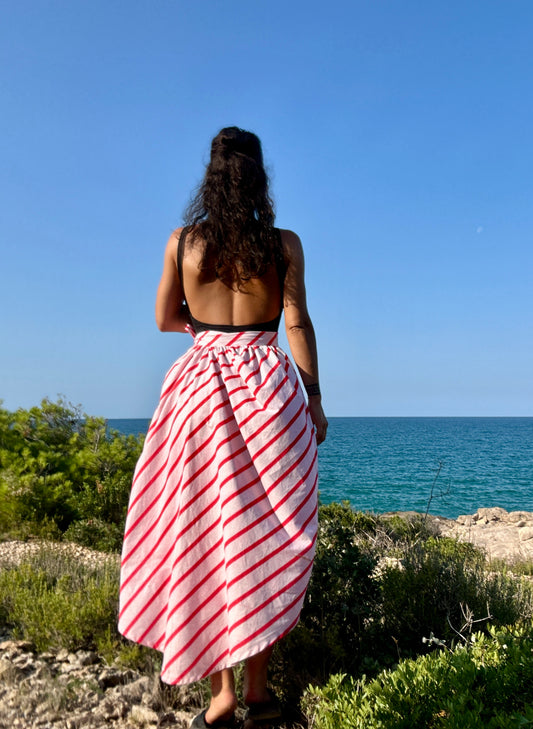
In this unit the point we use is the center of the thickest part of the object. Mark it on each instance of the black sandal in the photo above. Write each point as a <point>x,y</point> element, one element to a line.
<point>265,711</point>
<point>199,722</point>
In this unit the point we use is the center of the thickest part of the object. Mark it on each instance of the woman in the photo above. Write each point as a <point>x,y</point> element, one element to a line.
<point>221,526</point>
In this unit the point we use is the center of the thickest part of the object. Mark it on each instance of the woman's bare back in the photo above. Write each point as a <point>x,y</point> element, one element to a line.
<point>253,301</point>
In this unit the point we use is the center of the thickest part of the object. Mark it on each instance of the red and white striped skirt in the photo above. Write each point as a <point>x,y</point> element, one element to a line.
<point>221,527</point>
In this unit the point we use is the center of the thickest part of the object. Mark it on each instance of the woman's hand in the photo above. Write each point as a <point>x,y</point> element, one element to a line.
<point>318,417</point>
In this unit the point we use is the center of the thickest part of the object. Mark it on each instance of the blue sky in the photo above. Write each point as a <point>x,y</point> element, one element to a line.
<point>398,137</point>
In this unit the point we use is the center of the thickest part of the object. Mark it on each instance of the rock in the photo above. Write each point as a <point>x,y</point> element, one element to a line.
<point>516,516</point>
<point>182,719</point>
<point>42,692</point>
<point>109,709</point>
<point>9,673</point>
<point>15,646</point>
<point>87,658</point>
<point>500,534</point>
<point>110,677</point>
<point>15,552</point>
<point>143,715</point>
<point>494,513</point>
<point>135,691</point>
<point>42,672</point>
<point>47,657</point>
<point>24,661</point>
<point>82,721</point>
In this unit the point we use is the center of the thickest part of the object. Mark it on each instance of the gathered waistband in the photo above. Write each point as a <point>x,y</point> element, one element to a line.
<point>214,338</point>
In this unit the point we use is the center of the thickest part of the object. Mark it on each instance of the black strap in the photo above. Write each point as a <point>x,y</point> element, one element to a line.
<point>281,266</point>
<point>179,253</point>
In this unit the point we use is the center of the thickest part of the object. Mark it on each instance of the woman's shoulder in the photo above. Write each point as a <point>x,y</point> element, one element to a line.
<point>292,245</point>
<point>176,233</point>
<point>184,232</point>
<point>288,235</point>
<point>176,241</point>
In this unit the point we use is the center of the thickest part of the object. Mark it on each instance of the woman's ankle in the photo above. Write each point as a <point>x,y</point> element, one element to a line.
<point>221,706</point>
<point>256,695</point>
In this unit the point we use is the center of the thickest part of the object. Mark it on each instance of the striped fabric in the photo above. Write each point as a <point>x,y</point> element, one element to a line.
<point>221,526</point>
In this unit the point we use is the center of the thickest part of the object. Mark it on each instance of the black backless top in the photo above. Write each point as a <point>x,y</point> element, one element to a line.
<point>268,326</point>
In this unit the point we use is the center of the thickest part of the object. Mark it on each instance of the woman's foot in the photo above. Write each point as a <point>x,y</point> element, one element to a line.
<point>266,711</point>
<point>221,708</point>
<point>223,698</point>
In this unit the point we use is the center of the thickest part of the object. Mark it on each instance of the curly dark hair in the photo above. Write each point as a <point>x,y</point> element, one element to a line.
<point>232,210</point>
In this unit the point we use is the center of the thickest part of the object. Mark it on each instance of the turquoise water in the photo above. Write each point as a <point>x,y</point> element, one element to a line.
<point>391,464</point>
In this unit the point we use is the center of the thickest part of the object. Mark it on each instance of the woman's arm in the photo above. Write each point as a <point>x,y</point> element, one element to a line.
<point>171,313</point>
<point>299,328</point>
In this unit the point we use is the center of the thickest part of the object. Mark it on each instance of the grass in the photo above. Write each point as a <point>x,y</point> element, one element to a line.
<point>55,601</point>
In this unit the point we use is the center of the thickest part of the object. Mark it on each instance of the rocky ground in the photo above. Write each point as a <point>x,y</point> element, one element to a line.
<point>65,690</point>
<point>503,535</point>
<point>76,691</point>
<point>62,690</point>
<point>15,552</point>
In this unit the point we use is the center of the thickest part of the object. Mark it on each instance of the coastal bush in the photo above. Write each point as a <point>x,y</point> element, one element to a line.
<point>381,589</point>
<point>342,601</point>
<point>486,683</point>
<point>96,533</point>
<point>59,467</point>
<point>443,587</point>
<point>55,602</point>
<point>364,609</point>
<point>343,595</point>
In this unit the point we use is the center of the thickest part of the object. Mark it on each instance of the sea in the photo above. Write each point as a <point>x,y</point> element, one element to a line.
<point>444,466</point>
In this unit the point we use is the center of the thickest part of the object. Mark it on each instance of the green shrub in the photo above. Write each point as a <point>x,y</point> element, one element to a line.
<point>55,602</point>
<point>96,534</point>
<point>441,586</point>
<point>342,595</point>
<point>379,589</point>
<point>60,467</point>
<point>407,529</point>
<point>488,683</point>
<point>341,602</point>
